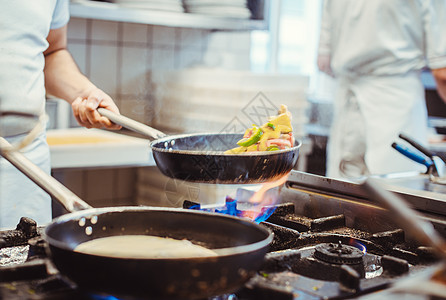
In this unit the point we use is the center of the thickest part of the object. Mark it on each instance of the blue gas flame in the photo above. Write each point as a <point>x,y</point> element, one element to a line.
<point>101,297</point>
<point>231,209</point>
<point>358,245</point>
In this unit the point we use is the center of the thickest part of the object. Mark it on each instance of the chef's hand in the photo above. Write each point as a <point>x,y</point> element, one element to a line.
<point>323,63</point>
<point>84,109</point>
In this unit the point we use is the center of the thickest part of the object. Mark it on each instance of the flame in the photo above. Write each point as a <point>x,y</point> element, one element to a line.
<point>358,245</point>
<point>259,207</point>
<point>101,297</point>
<point>261,204</point>
<point>259,196</point>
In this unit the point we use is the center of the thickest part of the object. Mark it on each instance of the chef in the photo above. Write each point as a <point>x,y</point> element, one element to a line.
<point>376,50</point>
<point>34,61</point>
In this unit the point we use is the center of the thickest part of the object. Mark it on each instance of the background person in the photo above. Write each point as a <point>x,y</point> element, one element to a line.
<point>376,50</point>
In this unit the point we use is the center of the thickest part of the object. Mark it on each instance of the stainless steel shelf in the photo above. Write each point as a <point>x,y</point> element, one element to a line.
<point>114,12</point>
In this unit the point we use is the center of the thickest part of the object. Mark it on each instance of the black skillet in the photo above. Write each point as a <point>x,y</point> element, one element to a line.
<point>240,245</point>
<point>199,157</point>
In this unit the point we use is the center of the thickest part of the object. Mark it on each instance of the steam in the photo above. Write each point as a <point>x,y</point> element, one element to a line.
<point>257,206</point>
<point>262,204</point>
<point>261,198</point>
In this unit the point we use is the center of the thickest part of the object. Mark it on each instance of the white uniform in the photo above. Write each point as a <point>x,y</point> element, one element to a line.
<point>24,28</point>
<point>377,49</point>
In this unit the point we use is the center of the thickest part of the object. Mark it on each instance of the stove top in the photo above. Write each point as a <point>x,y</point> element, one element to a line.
<point>324,259</point>
<point>330,242</point>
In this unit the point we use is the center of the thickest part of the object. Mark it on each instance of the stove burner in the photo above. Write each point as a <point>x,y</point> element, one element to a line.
<point>338,254</point>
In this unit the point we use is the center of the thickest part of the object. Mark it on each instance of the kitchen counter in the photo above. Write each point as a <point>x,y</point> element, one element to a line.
<point>85,148</point>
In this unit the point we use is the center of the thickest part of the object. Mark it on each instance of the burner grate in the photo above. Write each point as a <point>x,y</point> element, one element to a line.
<point>338,254</point>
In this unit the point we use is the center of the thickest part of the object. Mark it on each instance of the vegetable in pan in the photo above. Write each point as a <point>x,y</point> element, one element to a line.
<point>276,134</point>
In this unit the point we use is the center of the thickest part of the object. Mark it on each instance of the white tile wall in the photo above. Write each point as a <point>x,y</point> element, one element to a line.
<point>164,58</point>
<point>78,29</point>
<point>139,109</point>
<point>189,57</point>
<point>104,31</point>
<point>164,36</point>
<point>136,63</point>
<point>191,37</point>
<point>120,57</point>
<point>135,33</point>
<point>79,53</point>
<point>103,68</point>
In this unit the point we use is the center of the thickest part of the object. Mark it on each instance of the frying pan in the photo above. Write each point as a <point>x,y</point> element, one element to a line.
<point>240,245</point>
<point>200,158</point>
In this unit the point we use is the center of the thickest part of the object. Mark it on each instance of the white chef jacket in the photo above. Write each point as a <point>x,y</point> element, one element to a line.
<point>377,50</point>
<point>24,27</point>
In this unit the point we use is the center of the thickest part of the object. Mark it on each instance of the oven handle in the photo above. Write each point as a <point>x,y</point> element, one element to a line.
<point>416,145</point>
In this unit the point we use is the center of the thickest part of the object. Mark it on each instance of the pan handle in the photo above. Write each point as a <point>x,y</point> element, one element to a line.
<point>131,124</point>
<point>413,156</point>
<point>423,230</point>
<point>67,198</point>
<point>416,145</point>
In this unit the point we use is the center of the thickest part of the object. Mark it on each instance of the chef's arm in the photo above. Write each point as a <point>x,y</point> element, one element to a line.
<point>64,80</point>
<point>440,78</point>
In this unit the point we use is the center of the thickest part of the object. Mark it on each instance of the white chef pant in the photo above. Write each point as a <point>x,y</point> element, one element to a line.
<point>370,113</point>
<point>19,196</point>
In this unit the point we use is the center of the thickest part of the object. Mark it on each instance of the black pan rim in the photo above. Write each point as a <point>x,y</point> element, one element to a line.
<point>297,145</point>
<point>222,252</point>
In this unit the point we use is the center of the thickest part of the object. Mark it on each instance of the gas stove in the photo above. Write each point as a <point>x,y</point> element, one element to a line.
<point>333,242</point>
<point>323,258</point>
<point>330,242</point>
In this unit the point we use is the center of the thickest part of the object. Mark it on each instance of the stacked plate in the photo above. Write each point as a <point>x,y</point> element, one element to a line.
<point>165,5</point>
<point>227,8</point>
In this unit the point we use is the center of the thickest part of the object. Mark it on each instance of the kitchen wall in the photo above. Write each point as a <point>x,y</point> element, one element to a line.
<point>122,59</point>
